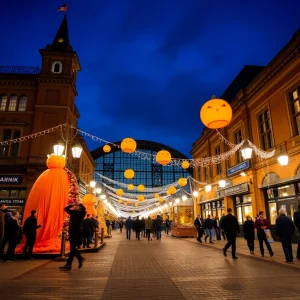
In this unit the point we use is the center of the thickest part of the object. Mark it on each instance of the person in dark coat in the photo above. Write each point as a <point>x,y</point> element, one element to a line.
<point>2,221</point>
<point>209,227</point>
<point>143,231</point>
<point>158,226</point>
<point>167,226</point>
<point>297,224</point>
<point>217,227</point>
<point>221,230</point>
<point>87,228</point>
<point>95,227</point>
<point>137,225</point>
<point>29,230</point>
<point>129,226</point>
<point>248,229</point>
<point>284,230</point>
<point>199,224</point>
<point>77,213</point>
<point>121,225</point>
<point>231,228</point>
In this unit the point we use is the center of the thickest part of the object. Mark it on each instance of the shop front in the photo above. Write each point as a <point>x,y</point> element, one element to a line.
<point>213,207</point>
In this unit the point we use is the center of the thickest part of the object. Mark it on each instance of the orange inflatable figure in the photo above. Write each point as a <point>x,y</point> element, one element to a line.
<point>89,202</point>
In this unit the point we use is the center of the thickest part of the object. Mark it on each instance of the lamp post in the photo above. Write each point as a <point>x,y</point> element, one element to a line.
<point>246,150</point>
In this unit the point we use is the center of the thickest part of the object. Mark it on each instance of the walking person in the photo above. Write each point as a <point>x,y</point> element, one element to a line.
<point>216,225</point>
<point>199,224</point>
<point>158,226</point>
<point>77,213</point>
<point>231,228</point>
<point>137,225</point>
<point>209,227</point>
<point>167,226</point>
<point>221,230</point>
<point>261,223</point>
<point>143,231</point>
<point>148,228</point>
<point>248,229</point>
<point>95,227</point>
<point>284,230</point>
<point>297,224</point>
<point>29,230</point>
<point>87,229</point>
<point>121,225</point>
<point>128,226</point>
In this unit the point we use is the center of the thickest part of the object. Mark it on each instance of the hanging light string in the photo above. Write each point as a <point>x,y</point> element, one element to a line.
<point>261,153</point>
<point>228,143</point>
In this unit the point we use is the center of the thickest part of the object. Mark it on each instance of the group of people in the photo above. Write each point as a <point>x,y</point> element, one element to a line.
<point>90,226</point>
<point>229,228</point>
<point>144,227</point>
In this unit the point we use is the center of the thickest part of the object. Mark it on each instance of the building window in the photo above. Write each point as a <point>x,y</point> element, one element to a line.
<point>295,110</point>
<point>265,130</point>
<point>12,105</point>
<point>199,173</point>
<point>218,166</point>
<point>238,138</point>
<point>13,148</point>
<point>23,103</point>
<point>56,67</point>
<point>3,102</point>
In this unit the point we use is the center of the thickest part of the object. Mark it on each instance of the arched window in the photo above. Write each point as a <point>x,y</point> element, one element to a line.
<point>3,102</point>
<point>12,105</point>
<point>22,103</point>
<point>56,67</point>
<point>270,178</point>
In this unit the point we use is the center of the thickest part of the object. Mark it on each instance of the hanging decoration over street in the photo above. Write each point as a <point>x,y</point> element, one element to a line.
<point>128,145</point>
<point>130,187</point>
<point>129,174</point>
<point>163,157</point>
<point>119,192</point>
<point>141,188</point>
<point>185,164</point>
<point>106,148</point>
<point>182,182</point>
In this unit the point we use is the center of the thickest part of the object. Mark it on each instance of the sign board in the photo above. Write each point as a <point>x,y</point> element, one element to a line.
<point>11,179</point>
<point>12,201</point>
<point>238,168</point>
<point>234,190</point>
<point>228,183</point>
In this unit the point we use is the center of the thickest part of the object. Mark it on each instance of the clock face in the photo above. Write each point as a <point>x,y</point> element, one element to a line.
<point>57,67</point>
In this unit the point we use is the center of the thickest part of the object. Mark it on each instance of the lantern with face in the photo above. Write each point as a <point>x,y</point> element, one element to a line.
<point>182,181</point>
<point>106,148</point>
<point>141,188</point>
<point>185,164</point>
<point>128,145</point>
<point>56,161</point>
<point>163,157</point>
<point>216,113</point>
<point>119,192</point>
<point>129,174</point>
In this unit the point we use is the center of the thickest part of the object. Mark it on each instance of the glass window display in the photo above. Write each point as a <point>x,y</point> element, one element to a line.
<point>273,212</point>
<point>184,215</point>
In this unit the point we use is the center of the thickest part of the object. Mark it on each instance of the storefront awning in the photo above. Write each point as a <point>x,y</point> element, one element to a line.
<point>280,182</point>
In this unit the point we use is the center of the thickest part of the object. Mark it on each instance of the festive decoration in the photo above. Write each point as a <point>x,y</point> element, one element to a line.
<point>129,201</point>
<point>89,202</point>
<point>130,187</point>
<point>185,164</point>
<point>129,174</point>
<point>163,157</point>
<point>119,192</point>
<point>168,193</point>
<point>125,203</point>
<point>188,212</point>
<point>216,113</point>
<point>106,148</point>
<point>141,198</point>
<point>141,188</point>
<point>160,199</point>
<point>55,161</point>
<point>182,182</point>
<point>136,204</point>
<point>128,145</point>
<point>120,201</point>
<point>156,196</point>
<point>172,190</point>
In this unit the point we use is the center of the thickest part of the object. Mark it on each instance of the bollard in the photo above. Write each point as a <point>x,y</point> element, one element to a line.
<point>62,255</point>
<point>102,235</point>
<point>96,239</point>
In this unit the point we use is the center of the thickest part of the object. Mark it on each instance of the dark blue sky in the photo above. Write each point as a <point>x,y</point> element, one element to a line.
<point>148,66</point>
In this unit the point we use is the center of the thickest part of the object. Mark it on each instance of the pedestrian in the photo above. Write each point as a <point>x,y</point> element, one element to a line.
<point>137,225</point>
<point>143,231</point>
<point>29,230</point>
<point>284,230</point>
<point>297,224</point>
<point>208,223</point>
<point>148,227</point>
<point>108,226</point>
<point>199,224</point>
<point>128,226</point>
<point>87,229</point>
<point>95,228</point>
<point>261,223</point>
<point>77,213</point>
<point>222,231</point>
<point>158,226</point>
<point>2,221</point>
<point>167,226</point>
<point>121,224</point>
<point>248,229</point>
<point>216,225</point>
<point>231,228</point>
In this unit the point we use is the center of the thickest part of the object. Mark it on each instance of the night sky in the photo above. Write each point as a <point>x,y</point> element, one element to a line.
<point>148,66</point>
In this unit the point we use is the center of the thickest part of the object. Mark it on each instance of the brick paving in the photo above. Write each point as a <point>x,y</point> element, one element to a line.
<point>167,269</point>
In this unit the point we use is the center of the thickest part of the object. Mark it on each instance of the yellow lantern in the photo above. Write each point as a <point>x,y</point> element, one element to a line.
<point>156,196</point>
<point>125,203</point>
<point>182,181</point>
<point>172,190</point>
<point>106,148</point>
<point>130,187</point>
<point>129,174</point>
<point>119,192</point>
<point>128,145</point>
<point>185,164</point>
<point>120,201</point>
<point>161,199</point>
<point>163,157</point>
<point>136,204</point>
<point>216,113</point>
<point>141,198</point>
<point>129,201</point>
<point>141,188</point>
<point>168,193</point>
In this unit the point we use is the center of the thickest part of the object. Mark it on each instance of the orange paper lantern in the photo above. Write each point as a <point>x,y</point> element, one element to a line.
<point>163,157</point>
<point>172,190</point>
<point>129,201</point>
<point>156,196</point>
<point>128,145</point>
<point>56,161</point>
<point>141,188</point>
<point>185,164</point>
<point>129,174</point>
<point>106,148</point>
<point>119,192</point>
<point>160,199</point>
<point>130,187</point>
<point>120,201</point>
<point>141,198</point>
<point>89,202</point>
<point>136,204</point>
<point>182,181</point>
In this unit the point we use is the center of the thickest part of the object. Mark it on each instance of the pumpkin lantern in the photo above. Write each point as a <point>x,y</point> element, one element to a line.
<point>89,202</point>
<point>216,113</point>
<point>106,148</point>
<point>182,181</point>
<point>56,161</point>
<point>141,198</point>
<point>130,187</point>
<point>185,164</point>
<point>119,192</point>
<point>172,190</point>
<point>141,188</point>
<point>129,174</point>
<point>163,157</point>
<point>128,145</point>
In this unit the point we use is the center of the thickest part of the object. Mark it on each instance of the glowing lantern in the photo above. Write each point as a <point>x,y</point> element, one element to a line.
<point>125,203</point>
<point>128,145</point>
<point>130,187</point>
<point>129,174</point>
<point>168,193</point>
<point>106,148</point>
<point>156,196</point>
<point>160,199</point>
<point>141,188</point>
<point>185,164</point>
<point>172,190</point>
<point>129,201</point>
<point>136,204</point>
<point>119,192</point>
<point>216,113</point>
<point>56,161</point>
<point>182,181</point>
<point>120,201</point>
<point>163,157</point>
<point>141,198</point>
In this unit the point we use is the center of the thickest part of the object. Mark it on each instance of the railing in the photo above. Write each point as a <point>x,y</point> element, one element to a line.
<point>19,70</point>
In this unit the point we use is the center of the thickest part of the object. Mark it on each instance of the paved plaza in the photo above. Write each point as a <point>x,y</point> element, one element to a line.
<point>167,269</point>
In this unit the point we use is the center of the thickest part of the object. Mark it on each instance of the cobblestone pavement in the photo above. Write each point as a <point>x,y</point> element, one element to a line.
<point>166,269</point>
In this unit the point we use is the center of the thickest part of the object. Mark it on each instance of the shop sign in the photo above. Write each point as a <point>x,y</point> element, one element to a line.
<point>240,167</point>
<point>228,183</point>
<point>11,179</point>
<point>12,201</point>
<point>234,190</point>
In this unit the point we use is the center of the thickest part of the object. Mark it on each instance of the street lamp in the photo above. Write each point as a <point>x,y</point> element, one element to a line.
<point>92,183</point>
<point>246,150</point>
<point>208,188</point>
<point>98,190</point>
<point>77,150</point>
<point>283,159</point>
<point>59,148</point>
<point>222,183</point>
<point>103,196</point>
<point>195,194</point>
<point>184,198</point>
